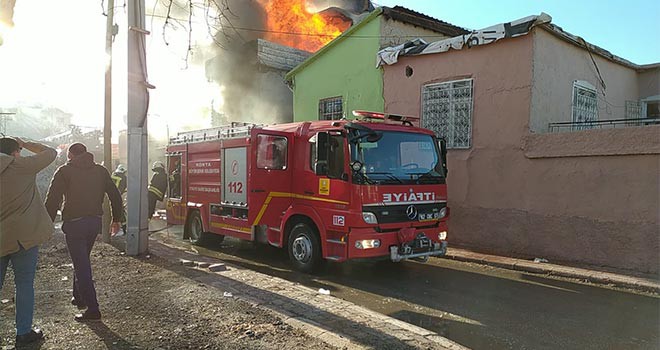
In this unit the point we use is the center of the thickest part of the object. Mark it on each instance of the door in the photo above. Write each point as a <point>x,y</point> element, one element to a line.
<point>269,182</point>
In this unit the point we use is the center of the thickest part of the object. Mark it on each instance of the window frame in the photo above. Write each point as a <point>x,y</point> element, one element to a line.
<point>333,115</point>
<point>450,134</point>
<point>587,87</point>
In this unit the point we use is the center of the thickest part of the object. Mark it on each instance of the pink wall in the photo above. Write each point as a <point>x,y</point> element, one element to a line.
<point>508,196</point>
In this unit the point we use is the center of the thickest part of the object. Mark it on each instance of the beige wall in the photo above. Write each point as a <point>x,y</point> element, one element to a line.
<point>649,83</point>
<point>395,33</point>
<point>528,195</point>
<point>557,64</point>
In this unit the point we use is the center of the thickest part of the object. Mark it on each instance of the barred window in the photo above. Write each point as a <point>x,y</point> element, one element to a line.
<point>633,110</point>
<point>447,110</point>
<point>331,108</point>
<point>585,104</point>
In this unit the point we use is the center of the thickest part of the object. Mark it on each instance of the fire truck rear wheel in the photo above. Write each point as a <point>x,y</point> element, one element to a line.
<point>304,247</point>
<point>196,233</point>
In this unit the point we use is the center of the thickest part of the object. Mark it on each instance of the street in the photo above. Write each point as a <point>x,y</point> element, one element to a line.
<point>477,306</point>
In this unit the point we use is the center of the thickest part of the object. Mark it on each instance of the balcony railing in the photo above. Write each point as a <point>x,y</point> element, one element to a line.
<point>601,124</point>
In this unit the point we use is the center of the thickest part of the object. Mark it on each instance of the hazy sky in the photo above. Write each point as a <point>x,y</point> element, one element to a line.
<point>629,29</point>
<point>55,55</point>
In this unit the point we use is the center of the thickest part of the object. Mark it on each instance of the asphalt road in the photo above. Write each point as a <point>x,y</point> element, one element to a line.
<point>477,306</point>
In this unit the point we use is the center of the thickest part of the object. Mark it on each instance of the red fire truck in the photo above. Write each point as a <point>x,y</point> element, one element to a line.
<point>373,187</point>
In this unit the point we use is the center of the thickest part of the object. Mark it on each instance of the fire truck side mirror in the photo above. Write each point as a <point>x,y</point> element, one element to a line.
<point>443,152</point>
<point>321,157</point>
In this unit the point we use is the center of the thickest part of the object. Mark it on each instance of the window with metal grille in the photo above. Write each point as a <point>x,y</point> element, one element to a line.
<point>447,110</point>
<point>585,104</point>
<point>633,110</point>
<point>331,108</point>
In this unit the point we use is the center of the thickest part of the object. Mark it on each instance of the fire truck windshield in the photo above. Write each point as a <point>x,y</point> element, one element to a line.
<point>396,158</point>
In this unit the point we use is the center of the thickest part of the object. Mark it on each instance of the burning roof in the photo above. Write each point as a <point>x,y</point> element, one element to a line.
<point>310,24</point>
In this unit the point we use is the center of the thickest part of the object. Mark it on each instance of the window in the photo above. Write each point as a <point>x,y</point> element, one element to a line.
<point>331,108</point>
<point>271,152</point>
<point>334,153</point>
<point>633,110</point>
<point>447,110</point>
<point>585,104</point>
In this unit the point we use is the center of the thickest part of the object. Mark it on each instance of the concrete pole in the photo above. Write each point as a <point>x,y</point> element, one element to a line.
<point>107,121</point>
<point>137,238</point>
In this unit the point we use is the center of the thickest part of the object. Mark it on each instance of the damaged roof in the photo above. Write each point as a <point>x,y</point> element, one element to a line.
<point>402,14</point>
<point>489,35</point>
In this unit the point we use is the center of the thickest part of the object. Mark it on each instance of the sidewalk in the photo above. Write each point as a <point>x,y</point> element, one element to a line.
<point>596,277</point>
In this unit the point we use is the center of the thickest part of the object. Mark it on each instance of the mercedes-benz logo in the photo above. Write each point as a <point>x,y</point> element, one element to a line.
<point>411,212</point>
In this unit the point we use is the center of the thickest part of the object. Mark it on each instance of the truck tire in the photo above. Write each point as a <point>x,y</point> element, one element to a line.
<point>196,233</point>
<point>304,248</point>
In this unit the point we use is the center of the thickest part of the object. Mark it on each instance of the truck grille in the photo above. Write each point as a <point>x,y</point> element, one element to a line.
<point>402,213</point>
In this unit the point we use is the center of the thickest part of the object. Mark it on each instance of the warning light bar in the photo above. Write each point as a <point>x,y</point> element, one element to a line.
<point>404,119</point>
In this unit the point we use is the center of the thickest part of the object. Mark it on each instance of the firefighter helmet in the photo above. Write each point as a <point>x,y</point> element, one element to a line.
<point>158,164</point>
<point>120,168</point>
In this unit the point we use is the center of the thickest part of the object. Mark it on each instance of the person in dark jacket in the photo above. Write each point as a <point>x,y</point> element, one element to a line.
<point>83,184</point>
<point>24,224</point>
<point>157,186</point>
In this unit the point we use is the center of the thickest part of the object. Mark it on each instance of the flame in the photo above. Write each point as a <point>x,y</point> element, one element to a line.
<point>290,24</point>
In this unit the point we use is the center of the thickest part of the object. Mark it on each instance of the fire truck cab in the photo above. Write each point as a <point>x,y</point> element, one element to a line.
<point>335,190</point>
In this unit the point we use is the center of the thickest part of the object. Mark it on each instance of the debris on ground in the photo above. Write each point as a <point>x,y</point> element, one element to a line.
<point>146,304</point>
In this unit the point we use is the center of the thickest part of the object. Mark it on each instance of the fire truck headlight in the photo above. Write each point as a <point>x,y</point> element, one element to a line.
<point>367,244</point>
<point>369,218</point>
<point>443,213</point>
<point>442,235</point>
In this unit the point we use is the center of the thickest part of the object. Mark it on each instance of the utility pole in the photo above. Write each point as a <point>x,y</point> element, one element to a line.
<point>137,238</point>
<point>107,122</point>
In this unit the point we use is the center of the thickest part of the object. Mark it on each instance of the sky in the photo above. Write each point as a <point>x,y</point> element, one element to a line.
<point>55,53</point>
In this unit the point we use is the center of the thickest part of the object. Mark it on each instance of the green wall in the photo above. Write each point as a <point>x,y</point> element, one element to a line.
<point>344,68</point>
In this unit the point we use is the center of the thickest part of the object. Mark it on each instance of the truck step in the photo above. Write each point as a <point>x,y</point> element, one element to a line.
<point>335,241</point>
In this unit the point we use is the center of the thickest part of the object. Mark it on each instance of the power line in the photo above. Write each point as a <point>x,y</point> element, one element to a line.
<point>307,34</point>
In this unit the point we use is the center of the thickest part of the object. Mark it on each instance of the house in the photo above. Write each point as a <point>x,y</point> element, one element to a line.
<point>554,142</point>
<point>343,76</point>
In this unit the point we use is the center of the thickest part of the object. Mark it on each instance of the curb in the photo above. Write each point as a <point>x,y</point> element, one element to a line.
<point>596,277</point>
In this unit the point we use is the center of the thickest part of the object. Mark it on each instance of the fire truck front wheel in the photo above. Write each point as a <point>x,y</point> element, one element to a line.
<point>304,247</point>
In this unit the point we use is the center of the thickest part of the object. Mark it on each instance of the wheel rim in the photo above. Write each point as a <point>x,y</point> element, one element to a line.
<point>195,229</point>
<point>302,248</point>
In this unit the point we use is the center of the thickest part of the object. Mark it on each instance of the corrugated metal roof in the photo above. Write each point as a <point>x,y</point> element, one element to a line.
<point>278,56</point>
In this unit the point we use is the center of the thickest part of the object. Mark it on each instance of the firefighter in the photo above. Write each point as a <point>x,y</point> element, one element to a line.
<point>119,178</point>
<point>175,181</point>
<point>157,186</point>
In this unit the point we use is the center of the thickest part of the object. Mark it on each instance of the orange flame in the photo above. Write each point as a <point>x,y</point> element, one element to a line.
<point>290,24</point>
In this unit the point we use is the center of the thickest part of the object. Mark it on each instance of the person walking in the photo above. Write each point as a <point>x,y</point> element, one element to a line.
<point>157,186</point>
<point>83,184</point>
<point>24,224</point>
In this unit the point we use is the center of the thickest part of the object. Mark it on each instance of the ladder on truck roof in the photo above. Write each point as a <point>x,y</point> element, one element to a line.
<point>235,129</point>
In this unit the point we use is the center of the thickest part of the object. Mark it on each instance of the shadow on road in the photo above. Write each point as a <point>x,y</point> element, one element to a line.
<point>511,309</point>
